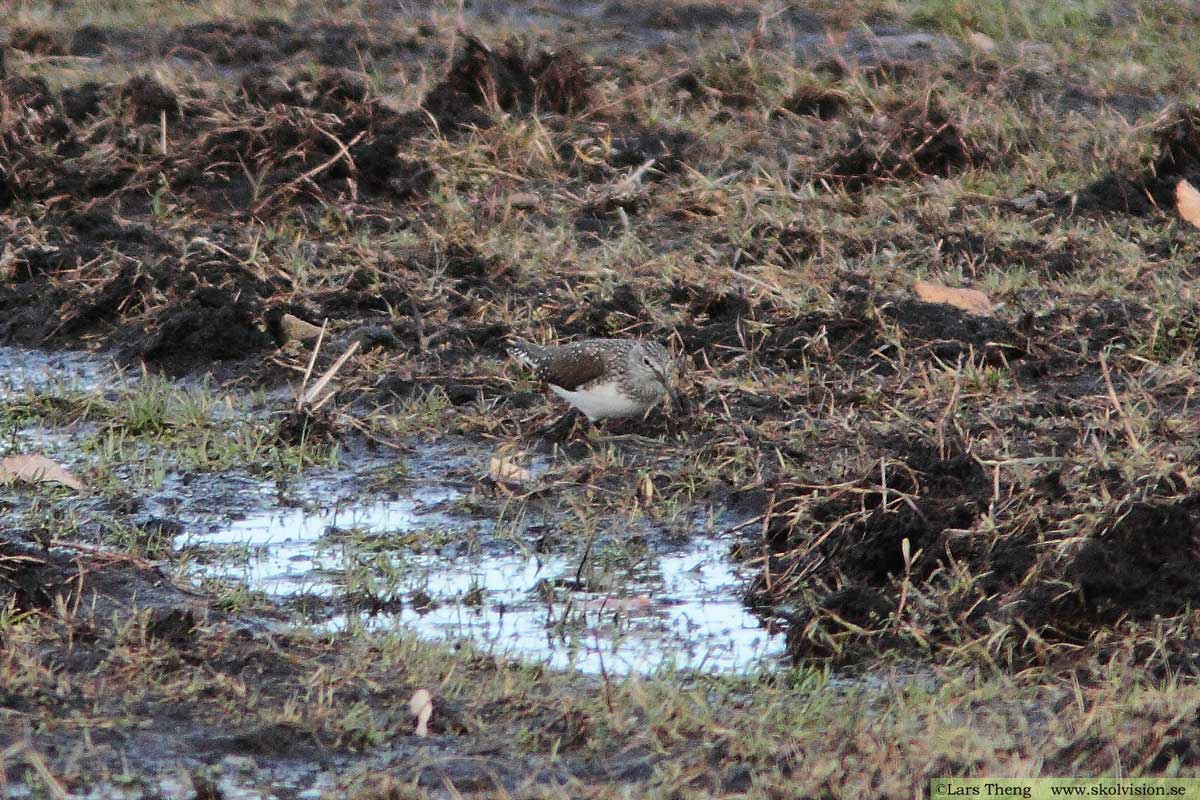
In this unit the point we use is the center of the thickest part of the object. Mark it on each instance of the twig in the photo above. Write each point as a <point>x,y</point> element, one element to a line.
<point>1112,396</point>
<point>312,360</point>
<point>319,386</point>
<point>608,697</point>
<point>419,324</point>
<point>343,152</point>
<point>635,93</point>
<point>38,765</point>
<point>587,552</point>
<point>941,423</point>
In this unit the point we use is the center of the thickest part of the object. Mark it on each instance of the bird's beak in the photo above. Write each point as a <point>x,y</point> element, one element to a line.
<point>671,391</point>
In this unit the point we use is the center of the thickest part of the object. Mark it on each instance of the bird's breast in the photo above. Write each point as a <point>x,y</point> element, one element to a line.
<point>602,400</point>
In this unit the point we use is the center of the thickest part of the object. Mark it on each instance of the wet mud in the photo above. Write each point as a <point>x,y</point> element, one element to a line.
<point>884,476</point>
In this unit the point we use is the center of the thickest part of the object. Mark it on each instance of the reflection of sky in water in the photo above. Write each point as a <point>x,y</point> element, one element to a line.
<point>24,370</point>
<point>682,607</point>
<point>683,610</point>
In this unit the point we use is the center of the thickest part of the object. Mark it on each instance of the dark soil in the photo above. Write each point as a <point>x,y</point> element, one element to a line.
<point>905,142</point>
<point>559,82</point>
<point>36,42</point>
<point>306,141</point>
<point>1176,138</point>
<point>818,101</point>
<point>1015,489</point>
<point>210,325</point>
<point>175,222</point>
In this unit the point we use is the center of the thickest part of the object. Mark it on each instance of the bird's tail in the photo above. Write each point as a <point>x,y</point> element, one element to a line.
<point>527,353</point>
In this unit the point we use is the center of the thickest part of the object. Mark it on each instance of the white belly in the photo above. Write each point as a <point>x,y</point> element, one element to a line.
<point>601,401</point>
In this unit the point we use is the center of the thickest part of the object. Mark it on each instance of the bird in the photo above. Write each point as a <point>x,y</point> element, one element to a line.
<point>603,377</point>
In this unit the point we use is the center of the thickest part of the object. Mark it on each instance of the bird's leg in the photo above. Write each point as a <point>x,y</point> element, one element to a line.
<point>561,429</point>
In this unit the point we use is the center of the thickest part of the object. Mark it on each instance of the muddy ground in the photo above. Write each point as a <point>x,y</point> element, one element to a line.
<point>1012,493</point>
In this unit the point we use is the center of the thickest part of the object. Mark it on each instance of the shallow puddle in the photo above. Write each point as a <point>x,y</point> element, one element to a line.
<point>24,370</point>
<point>412,563</point>
<point>636,599</point>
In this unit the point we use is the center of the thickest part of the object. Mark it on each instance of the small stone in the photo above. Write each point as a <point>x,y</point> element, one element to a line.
<point>524,200</point>
<point>371,337</point>
<point>297,330</point>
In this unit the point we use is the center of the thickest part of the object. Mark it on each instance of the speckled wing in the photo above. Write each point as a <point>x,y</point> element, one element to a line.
<point>572,365</point>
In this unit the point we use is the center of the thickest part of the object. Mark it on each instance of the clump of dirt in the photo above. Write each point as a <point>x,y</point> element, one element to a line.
<point>339,90</point>
<point>909,141</point>
<point>44,302</point>
<point>949,334</point>
<point>634,145</point>
<point>559,82</point>
<point>893,71</point>
<point>788,245</point>
<point>1142,564</point>
<point>1176,137</point>
<point>473,271</point>
<point>718,326</point>
<point>147,100</point>
<point>83,101</point>
<point>1055,339</point>
<point>26,94</point>
<point>1054,258</point>
<point>950,492</point>
<point>298,155</point>
<point>630,145</point>
<point>36,41</point>
<point>1137,565</point>
<point>34,579</point>
<point>91,40</point>
<point>920,503</point>
<point>305,426</point>
<point>232,41</point>
<point>211,325</point>
<point>602,313</point>
<point>384,171</point>
<point>265,87</point>
<point>816,101</point>
<point>838,566</point>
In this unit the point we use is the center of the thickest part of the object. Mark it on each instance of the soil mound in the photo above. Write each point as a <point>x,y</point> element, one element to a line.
<point>510,80</point>
<point>1176,137</point>
<point>844,570</point>
<point>914,140</point>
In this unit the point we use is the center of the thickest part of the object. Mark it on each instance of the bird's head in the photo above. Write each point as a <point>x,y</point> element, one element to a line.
<point>654,368</point>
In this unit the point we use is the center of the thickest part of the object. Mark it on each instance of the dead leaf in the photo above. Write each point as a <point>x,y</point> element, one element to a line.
<point>37,469</point>
<point>297,330</point>
<point>503,470</point>
<point>421,707</point>
<point>1187,200</point>
<point>970,300</point>
<point>646,489</point>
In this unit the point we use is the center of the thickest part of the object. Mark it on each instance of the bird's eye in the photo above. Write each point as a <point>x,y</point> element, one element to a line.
<point>646,360</point>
